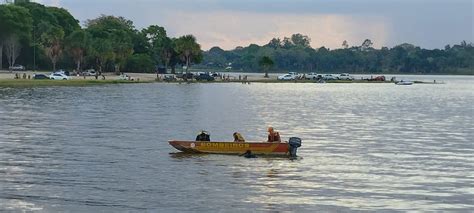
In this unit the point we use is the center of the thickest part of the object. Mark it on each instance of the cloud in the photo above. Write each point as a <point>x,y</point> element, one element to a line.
<point>427,23</point>
<point>230,29</point>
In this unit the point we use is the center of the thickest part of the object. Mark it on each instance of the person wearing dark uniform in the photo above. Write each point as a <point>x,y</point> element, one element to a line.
<point>203,136</point>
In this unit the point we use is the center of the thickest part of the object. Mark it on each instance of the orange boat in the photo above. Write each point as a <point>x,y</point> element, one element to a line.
<point>258,148</point>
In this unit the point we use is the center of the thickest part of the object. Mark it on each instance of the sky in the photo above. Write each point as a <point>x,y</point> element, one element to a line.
<point>230,23</point>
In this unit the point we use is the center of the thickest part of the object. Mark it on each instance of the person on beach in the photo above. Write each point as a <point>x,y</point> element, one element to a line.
<point>273,136</point>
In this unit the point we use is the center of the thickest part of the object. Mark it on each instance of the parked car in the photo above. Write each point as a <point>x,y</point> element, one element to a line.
<point>286,77</point>
<point>89,72</point>
<point>378,78</point>
<point>63,72</point>
<point>169,78</point>
<point>214,74</point>
<point>204,77</point>
<point>329,77</point>
<point>312,76</point>
<point>124,77</point>
<point>17,67</point>
<point>58,76</point>
<point>40,76</point>
<point>345,76</point>
<point>185,75</point>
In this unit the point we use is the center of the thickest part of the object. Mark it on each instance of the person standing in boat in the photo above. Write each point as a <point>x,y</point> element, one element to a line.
<point>273,136</point>
<point>238,137</point>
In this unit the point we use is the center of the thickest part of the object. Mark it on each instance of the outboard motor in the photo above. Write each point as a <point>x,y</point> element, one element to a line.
<point>293,144</point>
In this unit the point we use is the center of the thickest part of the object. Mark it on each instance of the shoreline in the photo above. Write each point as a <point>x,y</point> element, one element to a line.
<point>7,80</point>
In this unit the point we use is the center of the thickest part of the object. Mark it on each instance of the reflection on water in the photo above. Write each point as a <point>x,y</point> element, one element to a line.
<point>365,147</point>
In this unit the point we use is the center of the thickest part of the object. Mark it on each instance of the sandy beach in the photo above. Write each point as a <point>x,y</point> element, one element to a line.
<point>5,75</point>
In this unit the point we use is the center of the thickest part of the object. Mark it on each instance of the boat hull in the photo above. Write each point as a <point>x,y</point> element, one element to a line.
<point>259,148</point>
<point>404,83</point>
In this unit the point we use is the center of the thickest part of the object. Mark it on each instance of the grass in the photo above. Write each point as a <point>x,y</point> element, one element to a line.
<point>47,83</point>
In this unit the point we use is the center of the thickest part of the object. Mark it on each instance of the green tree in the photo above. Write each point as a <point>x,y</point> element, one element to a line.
<point>157,39</point>
<point>140,63</point>
<point>118,32</point>
<point>300,40</point>
<point>64,20</point>
<point>12,48</point>
<point>188,50</point>
<point>345,45</point>
<point>77,43</point>
<point>275,43</point>
<point>366,44</point>
<point>15,25</point>
<point>266,63</point>
<point>43,19</point>
<point>52,42</point>
<point>101,51</point>
<point>168,52</point>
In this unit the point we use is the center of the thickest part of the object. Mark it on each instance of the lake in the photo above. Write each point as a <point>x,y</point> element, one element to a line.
<point>366,147</point>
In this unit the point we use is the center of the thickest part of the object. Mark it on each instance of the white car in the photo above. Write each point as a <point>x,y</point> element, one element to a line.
<point>124,77</point>
<point>90,72</point>
<point>329,77</point>
<point>58,76</point>
<point>312,76</point>
<point>287,77</point>
<point>345,76</point>
<point>17,68</point>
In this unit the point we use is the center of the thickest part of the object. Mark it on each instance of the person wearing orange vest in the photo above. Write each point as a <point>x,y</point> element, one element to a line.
<point>273,136</point>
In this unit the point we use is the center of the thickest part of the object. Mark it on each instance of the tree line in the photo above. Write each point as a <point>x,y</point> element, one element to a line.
<point>46,38</point>
<point>295,54</point>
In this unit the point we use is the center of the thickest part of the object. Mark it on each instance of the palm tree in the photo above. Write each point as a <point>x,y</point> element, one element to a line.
<point>188,50</point>
<point>77,44</point>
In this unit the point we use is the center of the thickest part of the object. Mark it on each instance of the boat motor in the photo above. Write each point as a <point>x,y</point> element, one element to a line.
<point>293,145</point>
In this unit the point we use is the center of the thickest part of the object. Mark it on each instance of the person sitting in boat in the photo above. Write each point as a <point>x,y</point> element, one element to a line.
<point>238,137</point>
<point>203,136</point>
<point>273,136</point>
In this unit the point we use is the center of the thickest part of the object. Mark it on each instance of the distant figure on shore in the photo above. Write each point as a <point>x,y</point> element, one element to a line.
<point>273,136</point>
<point>238,137</point>
<point>24,75</point>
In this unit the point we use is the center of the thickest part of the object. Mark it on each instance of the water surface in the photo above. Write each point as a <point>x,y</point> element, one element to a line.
<point>365,147</point>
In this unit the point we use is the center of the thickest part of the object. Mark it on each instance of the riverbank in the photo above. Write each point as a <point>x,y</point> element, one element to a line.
<point>7,79</point>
